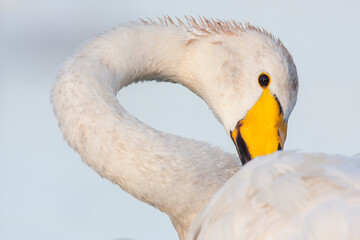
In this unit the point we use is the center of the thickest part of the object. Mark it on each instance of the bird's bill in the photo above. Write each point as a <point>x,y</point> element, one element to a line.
<point>262,131</point>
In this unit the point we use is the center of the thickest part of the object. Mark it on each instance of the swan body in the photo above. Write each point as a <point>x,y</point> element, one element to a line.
<point>286,195</point>
<point>219,61</point>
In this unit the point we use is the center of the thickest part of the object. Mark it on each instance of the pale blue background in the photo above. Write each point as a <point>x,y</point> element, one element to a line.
<point>45,190</point>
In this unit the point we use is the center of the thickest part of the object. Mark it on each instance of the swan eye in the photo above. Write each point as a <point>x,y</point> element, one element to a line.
<point>264,80</point>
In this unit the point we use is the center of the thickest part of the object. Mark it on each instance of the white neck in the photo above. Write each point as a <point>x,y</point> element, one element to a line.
<point>175,174</point>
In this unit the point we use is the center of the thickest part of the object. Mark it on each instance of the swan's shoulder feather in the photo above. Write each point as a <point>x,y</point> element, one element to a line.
<point>286,195</point>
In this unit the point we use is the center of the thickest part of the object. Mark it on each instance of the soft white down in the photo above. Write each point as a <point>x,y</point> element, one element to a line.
<point>286,196</point>
<point>220,62</point>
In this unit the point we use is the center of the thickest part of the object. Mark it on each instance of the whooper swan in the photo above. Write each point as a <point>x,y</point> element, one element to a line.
<point>249,80</point>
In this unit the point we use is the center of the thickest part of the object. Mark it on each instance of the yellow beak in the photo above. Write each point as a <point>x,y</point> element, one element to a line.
<point>262,131</point>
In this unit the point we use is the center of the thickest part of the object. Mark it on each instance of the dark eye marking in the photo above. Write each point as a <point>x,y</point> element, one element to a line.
<point>264,80</point>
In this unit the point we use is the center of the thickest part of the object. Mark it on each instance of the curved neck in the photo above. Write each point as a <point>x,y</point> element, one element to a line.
<point>175,174</point>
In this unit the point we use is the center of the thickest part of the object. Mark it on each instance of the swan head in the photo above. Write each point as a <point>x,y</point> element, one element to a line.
<point>250,82</point>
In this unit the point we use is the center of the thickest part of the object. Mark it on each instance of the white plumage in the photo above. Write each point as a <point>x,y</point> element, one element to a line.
<point>219,61</point>
<point>286,195</point>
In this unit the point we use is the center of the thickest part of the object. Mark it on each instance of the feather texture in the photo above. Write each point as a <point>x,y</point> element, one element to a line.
<point>286,195</point>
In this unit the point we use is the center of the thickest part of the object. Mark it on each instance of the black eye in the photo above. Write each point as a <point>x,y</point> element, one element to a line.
<point>264,80</point>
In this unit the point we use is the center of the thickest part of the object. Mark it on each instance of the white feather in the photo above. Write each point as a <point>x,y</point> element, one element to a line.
<point>286,195</point>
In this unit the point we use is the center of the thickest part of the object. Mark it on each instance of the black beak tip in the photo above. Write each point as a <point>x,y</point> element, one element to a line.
<point>242,148</point>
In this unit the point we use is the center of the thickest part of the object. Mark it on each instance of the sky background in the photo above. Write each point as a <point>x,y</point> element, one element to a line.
<point>46,192</point>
